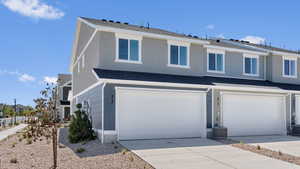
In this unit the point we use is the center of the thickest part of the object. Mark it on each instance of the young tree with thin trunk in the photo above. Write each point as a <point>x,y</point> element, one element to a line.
<point>46,123</point>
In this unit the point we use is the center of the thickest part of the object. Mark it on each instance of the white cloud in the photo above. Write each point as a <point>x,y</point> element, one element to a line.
<point>22,77</point>
<point>26,78</point>
<point>254,39</point>
<point>50,80</point>
<point>5,72</point>
<point>210,27</point>
<point>33,8</point>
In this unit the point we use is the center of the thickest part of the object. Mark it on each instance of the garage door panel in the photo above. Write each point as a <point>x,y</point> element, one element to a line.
<point>246,114</point>
<point>148,114</point>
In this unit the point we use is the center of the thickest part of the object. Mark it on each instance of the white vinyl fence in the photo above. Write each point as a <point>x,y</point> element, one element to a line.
<point>9,121</point>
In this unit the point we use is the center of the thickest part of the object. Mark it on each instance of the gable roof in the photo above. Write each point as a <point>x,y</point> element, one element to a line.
<point>127,26</point>
<point>196,80</point>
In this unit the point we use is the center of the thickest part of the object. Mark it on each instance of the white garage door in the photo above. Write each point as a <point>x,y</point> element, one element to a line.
<point>253,114</point>
<point>159,113</point>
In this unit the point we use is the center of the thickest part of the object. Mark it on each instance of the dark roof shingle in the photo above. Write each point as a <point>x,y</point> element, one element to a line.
<point>203,80</point>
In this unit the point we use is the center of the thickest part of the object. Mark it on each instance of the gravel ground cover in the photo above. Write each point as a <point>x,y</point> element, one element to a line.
<point>263,151</point>
<point>16,153</point>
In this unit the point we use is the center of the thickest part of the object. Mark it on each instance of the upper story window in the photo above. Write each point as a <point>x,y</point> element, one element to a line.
<point>128,48</point>
<point>215,61</point>
<point>289,67</point>
<point>178,54</point>
<point>251,65</point>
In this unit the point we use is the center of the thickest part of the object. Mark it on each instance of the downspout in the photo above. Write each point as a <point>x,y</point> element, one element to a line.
<point>291,103</point>
<point>212,108</point>
<point>102,112</point>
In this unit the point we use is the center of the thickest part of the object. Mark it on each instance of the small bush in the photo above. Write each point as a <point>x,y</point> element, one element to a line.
<point>241,142</point>
<point>61,146</point>
<point>29,141</point>
<point>14,160</point>
<point>131,158</point>
<point>13,145</point>
<point>80,150</point>
<point>116,147</point>
<point>124,151</point>
<point>20,139</point>
<point>258,147</point>
<point>81,127</point>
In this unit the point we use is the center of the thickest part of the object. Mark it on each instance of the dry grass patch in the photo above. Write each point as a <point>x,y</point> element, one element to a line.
<point>38,155</point>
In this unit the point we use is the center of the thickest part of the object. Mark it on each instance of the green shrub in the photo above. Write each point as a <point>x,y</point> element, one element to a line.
<point>14,160</point>
<point>258,147</point>
<point>80,129</point>
<point>80,150</point>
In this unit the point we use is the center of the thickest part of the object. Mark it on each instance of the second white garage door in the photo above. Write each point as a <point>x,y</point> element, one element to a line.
<point>253,114</point>
<point>159,113</point>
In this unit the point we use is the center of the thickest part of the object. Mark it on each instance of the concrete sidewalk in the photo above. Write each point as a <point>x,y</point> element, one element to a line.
<point>200,153</point>
<point>5,133</point>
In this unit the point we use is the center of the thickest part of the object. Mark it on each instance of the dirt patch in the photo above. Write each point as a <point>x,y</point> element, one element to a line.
<point>16,153</point>
<point>263,151</point>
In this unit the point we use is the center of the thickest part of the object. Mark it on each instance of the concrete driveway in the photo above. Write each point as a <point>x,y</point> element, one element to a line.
<point>285,144</point>
<point>200,153</point>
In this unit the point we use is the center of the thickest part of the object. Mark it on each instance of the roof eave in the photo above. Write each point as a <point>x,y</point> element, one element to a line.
<point>147,34</point>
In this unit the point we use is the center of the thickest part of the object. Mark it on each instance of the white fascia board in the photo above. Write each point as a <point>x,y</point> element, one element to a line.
<point>95,74</point>
<point>220,87</point>
<point>214,47</point>
<point>146,34</point>
<point>285,53</point>
<point>166,84</point>
<point>75,42</point>
<point>255,94</point>
<point>154,89</point>
<point>87,89</point>
<point>250,89</point>
<point>85,47</point>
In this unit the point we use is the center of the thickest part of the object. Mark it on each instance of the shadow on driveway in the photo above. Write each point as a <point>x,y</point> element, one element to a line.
<point>169,143</point>
<point>92,148</point>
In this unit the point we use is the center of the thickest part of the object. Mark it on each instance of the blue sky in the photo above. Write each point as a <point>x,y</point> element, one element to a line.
<point>36,35</point>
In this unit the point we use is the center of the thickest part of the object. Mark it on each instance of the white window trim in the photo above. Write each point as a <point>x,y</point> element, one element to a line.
<point>215,51</point>
<point>128,37</point>
<point>257,66</point>
<point>178,43</point>
<point>296,65</point>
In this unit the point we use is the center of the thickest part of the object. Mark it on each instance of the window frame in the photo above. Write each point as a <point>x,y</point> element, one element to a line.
<point>215,51</point>
<point>179,44</point>
<point>129,37</point>
<point>290,58</point>
<point>257,64</point>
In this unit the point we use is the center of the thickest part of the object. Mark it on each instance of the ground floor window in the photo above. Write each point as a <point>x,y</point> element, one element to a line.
<point>67,115</point>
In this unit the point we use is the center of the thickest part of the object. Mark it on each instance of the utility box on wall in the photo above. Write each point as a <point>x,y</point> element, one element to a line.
<point>219,132</point>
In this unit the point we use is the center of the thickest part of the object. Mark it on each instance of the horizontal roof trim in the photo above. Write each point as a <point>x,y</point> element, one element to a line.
<point>194,81</point>
<point>147,34</point>
<point>235,50</point>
